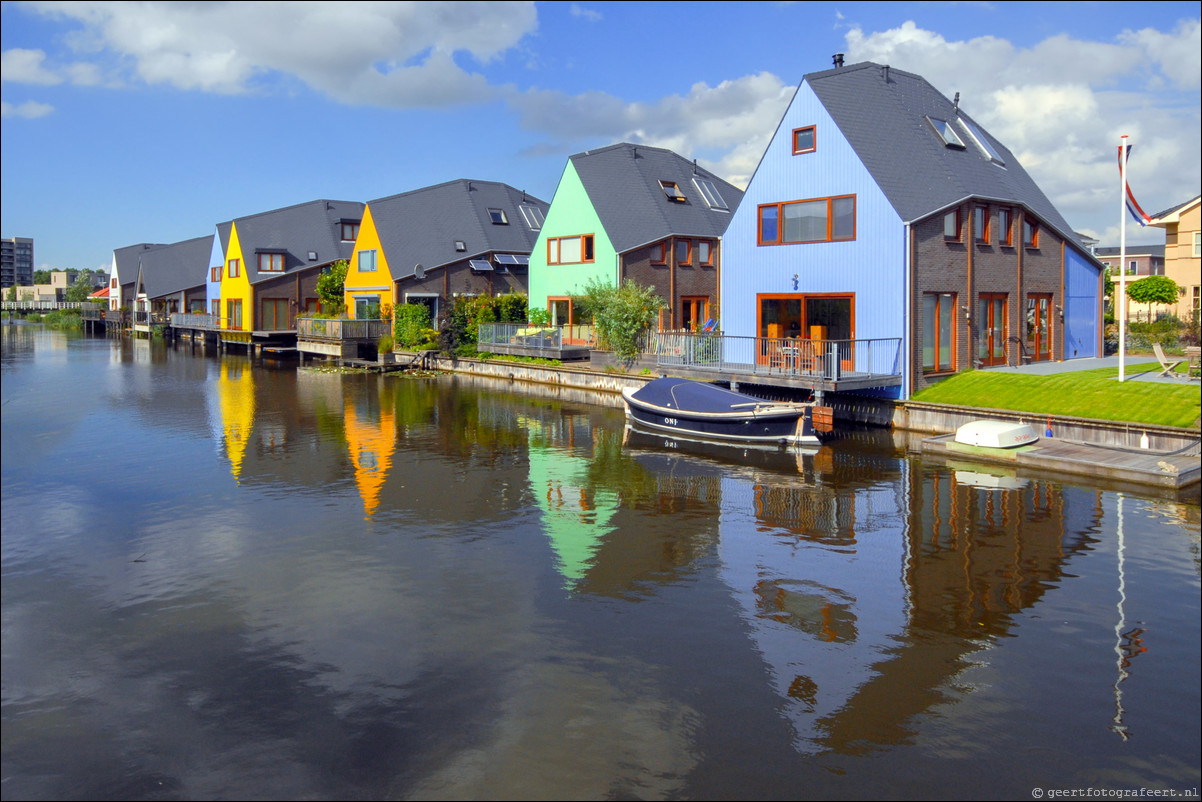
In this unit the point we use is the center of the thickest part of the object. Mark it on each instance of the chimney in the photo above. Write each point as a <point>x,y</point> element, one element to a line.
<point>956,103</point>
<point>838,61</point>
<point>885,73</point>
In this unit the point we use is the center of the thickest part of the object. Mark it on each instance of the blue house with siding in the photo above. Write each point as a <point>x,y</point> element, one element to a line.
<point>882,212</point>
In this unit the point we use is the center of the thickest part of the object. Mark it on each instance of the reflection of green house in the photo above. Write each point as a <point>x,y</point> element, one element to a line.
<point>634,212</point>
<point>575,518</point>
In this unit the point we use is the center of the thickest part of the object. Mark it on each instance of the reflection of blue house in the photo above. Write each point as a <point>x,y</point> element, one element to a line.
<point>881,210</point>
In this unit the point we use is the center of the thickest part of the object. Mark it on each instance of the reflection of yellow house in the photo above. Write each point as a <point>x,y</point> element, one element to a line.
<point>371,445</point>
<point>236,395</point>
<point>1183,252</point>
<point>574,518</point>
<point>368,277</point>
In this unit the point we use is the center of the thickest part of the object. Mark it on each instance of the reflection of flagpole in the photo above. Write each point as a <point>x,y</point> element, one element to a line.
<point>1118,725</point>
<point>1121,289</point>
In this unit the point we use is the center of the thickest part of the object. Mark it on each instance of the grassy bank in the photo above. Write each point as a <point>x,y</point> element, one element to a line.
<point>1083,394</point>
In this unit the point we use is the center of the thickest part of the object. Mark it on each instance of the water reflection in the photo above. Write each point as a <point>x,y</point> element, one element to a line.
<point>451,587</point>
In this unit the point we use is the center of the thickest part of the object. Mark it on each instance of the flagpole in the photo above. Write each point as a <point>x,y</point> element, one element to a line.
<point>1121,288</point>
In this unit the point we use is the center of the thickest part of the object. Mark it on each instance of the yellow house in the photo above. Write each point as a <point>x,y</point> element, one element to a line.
<point>1183,253</point>
<point>369,283</point>
<point>272,261</point>
<point>430,245</point>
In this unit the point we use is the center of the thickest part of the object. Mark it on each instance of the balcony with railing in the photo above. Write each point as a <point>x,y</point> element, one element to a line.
<point>529,339</point>
<point>195,320</point>
<point>339,337</point>
<point>819,364</point>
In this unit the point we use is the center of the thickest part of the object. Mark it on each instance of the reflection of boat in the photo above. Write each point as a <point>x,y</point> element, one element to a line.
<point>995,434</point>
<point>773,457</point>
<point>692,408</point>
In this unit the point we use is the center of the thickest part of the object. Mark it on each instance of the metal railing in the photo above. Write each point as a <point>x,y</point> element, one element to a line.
<point>47,306</point>
<point>828,360</point>
<point>141,317</point>
<point>531,335</point>
<point>317,328</point>
<point>195,320</point>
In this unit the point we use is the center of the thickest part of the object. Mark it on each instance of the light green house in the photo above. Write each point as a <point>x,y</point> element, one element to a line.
<point>637,212</point>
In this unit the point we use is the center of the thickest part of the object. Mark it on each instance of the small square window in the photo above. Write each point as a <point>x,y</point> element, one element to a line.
<point>804,140</point>
<point>672,191</point>
<point>350,231</point>
<point>659,254</point>
<point>460,246</point>
<point>946,133</point>
<point>498,217</point>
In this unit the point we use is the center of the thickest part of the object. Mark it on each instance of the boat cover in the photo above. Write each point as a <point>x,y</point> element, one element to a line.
<point>694,396</point>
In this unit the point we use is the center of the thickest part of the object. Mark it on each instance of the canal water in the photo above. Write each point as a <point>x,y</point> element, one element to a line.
<point>226,579</point>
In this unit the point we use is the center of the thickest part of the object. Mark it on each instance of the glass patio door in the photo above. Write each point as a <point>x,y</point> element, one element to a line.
<point>991,328</point>
<point>1039,326</point>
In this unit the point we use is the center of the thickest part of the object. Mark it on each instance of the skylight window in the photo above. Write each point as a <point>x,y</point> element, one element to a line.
<point>948,134</point>
<point>710,193</point>
<point>498,217</point>
<point>988,149</point>
<point>672,191</point>
<point>534,216</point>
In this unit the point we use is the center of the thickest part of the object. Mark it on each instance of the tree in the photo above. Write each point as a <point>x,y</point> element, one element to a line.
<point>41,277</point>
<point>1153,290</point>
<point>621,314</point>
<point>330,288</point>
<point>81,289</point>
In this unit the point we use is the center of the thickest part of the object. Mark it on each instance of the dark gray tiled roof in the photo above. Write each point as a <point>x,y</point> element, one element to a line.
<point>295,231</point>
<point>1172,209</point>
<point>173,268</point>
<point>1132,250</point>
<point>882,112</point>
<point>623,184</point>
<point>128,258</point>
<point>422,226</point>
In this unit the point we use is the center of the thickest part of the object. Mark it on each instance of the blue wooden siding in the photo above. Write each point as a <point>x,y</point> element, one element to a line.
<point>1081,306</point>
<point>872,267</point>
<point>216,259</point>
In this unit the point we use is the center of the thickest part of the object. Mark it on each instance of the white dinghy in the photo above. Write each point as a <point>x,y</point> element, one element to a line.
<point>995,434</point>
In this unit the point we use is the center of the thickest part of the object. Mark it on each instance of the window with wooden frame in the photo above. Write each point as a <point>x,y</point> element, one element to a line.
<point>659,253</point>
<point>952,226</point>
<point>805,140</point>
<point>1030,233</point>
<point>1005,224</point>
<point>350,231</point>
<point>271,262</point>
<point>498,217</point>
<point>570,250</point>
<point>672,191</point>
<point>705,253</point>
<point>805,221</point>
<point>214,274</point>
<point>938,332</point>
<point>980,224</point>
<point>234,267</point>
<point>684,252</point>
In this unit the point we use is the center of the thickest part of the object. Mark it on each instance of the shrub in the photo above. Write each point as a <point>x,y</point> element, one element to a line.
<point>621,314</point>
<point>411,325</point>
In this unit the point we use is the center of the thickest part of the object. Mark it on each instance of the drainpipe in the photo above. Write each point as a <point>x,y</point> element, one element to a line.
<point>971,250</point>
<point>908,292</point>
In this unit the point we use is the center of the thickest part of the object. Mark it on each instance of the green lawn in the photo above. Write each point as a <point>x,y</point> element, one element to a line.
<point>1083,394</point>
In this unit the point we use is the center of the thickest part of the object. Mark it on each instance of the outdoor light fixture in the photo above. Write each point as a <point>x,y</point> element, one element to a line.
<point>967,314</point>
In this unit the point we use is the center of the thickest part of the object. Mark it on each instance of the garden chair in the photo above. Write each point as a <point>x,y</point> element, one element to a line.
<point>1165,365</point>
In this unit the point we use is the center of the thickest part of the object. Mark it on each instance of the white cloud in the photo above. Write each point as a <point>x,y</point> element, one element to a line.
<point>29,110</point>
<point>732,121</point>
<point>1061,105</point>
<point>395,53</point>
<point>26,67</point>
<point>586,13</point>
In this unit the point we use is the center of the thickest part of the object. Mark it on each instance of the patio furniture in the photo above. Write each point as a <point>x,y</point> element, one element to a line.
<point>1193,355</point>
<point>1165,364</point>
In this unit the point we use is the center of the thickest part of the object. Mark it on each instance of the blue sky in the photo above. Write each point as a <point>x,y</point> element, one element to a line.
<point>152,122</point>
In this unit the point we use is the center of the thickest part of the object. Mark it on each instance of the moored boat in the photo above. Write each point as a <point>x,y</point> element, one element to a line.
<point>708,411</point>
<point>995,434</point>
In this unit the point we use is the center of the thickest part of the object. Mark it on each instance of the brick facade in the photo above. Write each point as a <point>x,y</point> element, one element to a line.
<point>459,279</point>
<point>946,265</point>
<point>672,281</point>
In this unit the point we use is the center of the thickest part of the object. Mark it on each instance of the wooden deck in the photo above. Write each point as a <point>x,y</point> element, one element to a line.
<point>1174,469</point>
